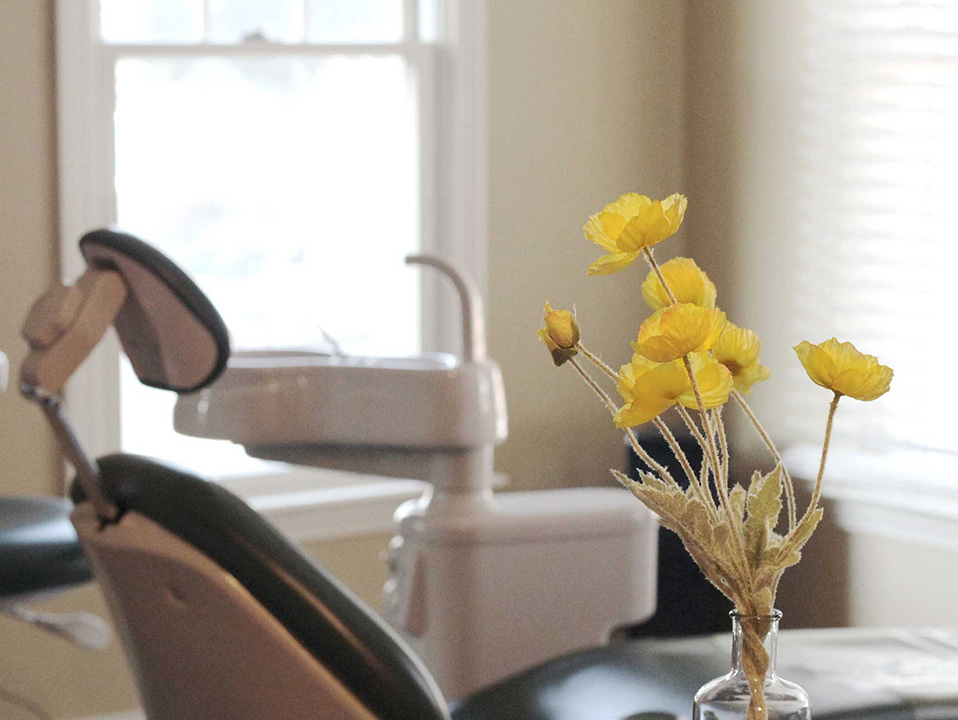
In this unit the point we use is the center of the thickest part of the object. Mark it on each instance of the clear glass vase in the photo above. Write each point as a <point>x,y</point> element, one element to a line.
<point>752,690</point>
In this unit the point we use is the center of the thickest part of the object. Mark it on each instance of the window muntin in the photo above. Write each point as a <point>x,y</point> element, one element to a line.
<point>289,185</point>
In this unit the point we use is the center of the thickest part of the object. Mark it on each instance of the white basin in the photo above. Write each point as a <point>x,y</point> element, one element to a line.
<point>377,415</point>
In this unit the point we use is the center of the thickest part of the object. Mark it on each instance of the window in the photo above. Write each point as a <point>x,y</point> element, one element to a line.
<point>288,155</point>
<point>878,175</point>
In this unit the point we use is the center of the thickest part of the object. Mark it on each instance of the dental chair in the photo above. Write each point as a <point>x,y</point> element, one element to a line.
<point>223,619</point>
<point>220,616</point>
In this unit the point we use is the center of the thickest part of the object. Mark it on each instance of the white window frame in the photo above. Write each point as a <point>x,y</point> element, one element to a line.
<point>452,112</point>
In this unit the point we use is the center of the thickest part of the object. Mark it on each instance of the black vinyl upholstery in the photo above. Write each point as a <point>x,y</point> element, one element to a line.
<point>324,616</point>
<point>39,549</point>
<point>100,249</point>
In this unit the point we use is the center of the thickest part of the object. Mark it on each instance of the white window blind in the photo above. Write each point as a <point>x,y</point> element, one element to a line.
<point>878,198</point>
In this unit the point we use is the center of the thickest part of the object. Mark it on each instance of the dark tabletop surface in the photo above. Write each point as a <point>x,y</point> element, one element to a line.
<point>852,673</point>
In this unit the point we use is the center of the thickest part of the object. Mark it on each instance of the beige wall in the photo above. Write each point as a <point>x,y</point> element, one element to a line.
<point>585,103</point>
<point>28,224</point>
<point>740,115</point>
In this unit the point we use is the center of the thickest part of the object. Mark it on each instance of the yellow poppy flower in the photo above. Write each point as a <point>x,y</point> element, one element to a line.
<point>714,380</point>
<point>650,388</point>
<point>677,330</point>
<point>738,349</point>
<point>560,334</point>
<point>840,367</point>
<point>628,225</point>
<point>686,281</point>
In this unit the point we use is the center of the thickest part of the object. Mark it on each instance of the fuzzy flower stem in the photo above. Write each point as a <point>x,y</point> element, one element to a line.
<point>688,420</point>
<point>713,453</point>
<point>709,437</point>
<point>709,446</point>
<point>706,463</point>
<point>658,272</point>
<point>789,483</point>
<point>597,361</point>
<point>723,463</point>
<point>700,489</point>
<point>690,424</point>
<point>816,494</point>
<point>639,450</point>
<point>723,439</point>
<point>662,428</point>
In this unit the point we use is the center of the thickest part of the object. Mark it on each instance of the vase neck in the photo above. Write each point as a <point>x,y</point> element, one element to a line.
<point>753,629</point>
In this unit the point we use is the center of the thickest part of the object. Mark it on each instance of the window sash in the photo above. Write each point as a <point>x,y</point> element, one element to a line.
<point>450,74</point>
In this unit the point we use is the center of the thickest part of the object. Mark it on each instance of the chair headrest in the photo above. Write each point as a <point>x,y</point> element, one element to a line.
<point>174,337</point>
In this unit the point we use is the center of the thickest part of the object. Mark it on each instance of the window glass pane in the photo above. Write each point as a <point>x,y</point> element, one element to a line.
<point>428,20</point>
<point>151,21</point>
<point>354,21</point>
<point>287,186</point>
<point>233,21</point>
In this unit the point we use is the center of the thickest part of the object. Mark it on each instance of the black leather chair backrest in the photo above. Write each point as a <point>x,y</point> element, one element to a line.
<point>174,337</point>
<point>332,624</point>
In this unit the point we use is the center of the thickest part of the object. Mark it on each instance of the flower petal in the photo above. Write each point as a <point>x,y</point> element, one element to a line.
<point>864,383</point>
<point>595,232</point>
<point>686,281</point>
<point>655,390</point>
<point>675,206</point>
<point>675,331</point>
<point>608,264</point>
<point>737,348</point>
<point>749,376</point>
<point>817,363</point>
<point>562,327</point>
<point>644,229</point>
<point>714,380</point>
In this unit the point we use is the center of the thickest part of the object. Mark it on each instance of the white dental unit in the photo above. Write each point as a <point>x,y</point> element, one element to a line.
<point>480,585</point>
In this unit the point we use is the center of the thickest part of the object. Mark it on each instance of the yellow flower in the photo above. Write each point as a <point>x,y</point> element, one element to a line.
<point>628,225</point>
<point>650,388</point>
<point>678,330</point>
<point>738,349</point>
<point>714,380</point>
<point>560,334</point>
<point>686,281</point>
<point>840,367</point>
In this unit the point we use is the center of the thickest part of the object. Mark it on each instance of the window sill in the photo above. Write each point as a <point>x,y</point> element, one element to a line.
<point>312,505</point>
<point>906,495</point>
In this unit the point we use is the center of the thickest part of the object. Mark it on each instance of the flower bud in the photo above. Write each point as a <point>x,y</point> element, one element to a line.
<point>560,334</point>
